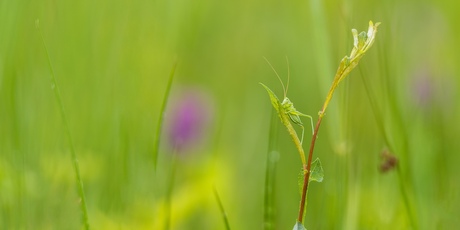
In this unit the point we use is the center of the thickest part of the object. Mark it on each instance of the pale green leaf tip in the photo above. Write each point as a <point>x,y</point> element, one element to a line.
<point>273,98</point>
<point>355,38</point>
<point>299,226</point>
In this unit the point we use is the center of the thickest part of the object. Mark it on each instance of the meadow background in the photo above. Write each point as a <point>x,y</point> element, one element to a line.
<point>112,61</point>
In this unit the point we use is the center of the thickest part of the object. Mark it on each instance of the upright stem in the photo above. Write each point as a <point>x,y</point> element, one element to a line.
<point>169,191</point>
<point>57,94</point>
<point>161,117</point>
<point>307,167</point>
<point>222,210</point>
<point>270,173</point>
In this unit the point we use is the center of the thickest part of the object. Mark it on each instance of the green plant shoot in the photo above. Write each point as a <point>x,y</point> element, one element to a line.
<point>361,44</point>
<point>287,106</point>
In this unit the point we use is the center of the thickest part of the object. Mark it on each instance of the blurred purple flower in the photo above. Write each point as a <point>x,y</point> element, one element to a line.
<point>189,115</point>
<point>422,88</point>
<point>433,90</point>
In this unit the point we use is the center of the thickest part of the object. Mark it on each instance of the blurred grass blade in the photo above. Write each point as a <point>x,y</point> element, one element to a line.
<point>222,210</point>
<point>57,94</point>
<point>161,117</point>
<point>272,159</point>
<point>404,183</point>
<point>169,191</point>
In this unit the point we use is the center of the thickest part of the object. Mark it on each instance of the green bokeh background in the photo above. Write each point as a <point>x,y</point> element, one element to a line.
<point>112,61</point>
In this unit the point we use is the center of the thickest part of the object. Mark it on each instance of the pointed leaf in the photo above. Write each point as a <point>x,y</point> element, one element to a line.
<point>317,173</point>
<point>299,226</point>
<point>273,98</point>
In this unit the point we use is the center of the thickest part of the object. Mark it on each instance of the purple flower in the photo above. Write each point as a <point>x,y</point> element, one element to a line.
<point>433,91</point>
<point>189,115</point>
<point>422,88</point>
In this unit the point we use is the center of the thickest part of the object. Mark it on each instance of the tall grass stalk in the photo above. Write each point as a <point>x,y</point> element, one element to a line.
<point>325,67</point>
<point>403,188</point>
<point>323,59</point>
<point>222,209</point>
<point>404,171</point>
<point>216,143</point>
<point>361,45</point>
<point>161,117</point>
<point>57,94</point>
<point>169,191</point>
<point>270,173</point>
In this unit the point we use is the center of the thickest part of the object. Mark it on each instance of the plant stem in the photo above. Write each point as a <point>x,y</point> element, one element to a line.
<point>222,210</point>
<point>407,203</point>
<point>270,174</point>
<point>169,191</point>
<point>161,117</point>
<point>57,94</point>
<point>307,168</point>
<point>404,190</point>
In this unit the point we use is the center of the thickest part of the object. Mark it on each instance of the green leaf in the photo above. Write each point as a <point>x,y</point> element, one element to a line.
<point>273,98</point>
<point>299,226</point>
<point>317,173</point>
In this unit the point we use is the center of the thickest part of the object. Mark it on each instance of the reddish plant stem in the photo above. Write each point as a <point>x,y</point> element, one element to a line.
<point>308,167</point>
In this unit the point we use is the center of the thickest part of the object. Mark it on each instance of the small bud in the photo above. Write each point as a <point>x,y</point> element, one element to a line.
<point>389,161</point>
<point>362,37</point>
<point>355,38</point>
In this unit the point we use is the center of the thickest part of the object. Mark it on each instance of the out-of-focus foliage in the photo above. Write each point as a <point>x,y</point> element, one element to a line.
<point>112,61</point>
